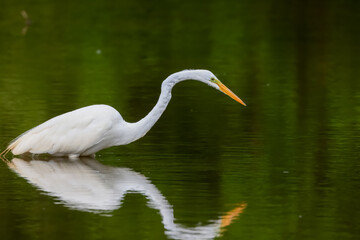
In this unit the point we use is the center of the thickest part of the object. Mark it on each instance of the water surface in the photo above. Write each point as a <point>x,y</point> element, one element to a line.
<point>284,167</point>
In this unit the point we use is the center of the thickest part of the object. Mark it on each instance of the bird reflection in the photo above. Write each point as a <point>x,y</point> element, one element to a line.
<point>87,185</point>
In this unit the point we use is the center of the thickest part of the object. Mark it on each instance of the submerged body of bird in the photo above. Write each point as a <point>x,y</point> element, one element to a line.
<point>87,130</point>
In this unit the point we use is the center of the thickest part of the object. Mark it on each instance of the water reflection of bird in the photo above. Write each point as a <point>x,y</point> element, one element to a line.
<point>87,185</point>
<point>85,131</point>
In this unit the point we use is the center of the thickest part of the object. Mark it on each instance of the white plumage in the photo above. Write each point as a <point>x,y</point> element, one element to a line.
<point>87,130</point>
<point>75,132</point>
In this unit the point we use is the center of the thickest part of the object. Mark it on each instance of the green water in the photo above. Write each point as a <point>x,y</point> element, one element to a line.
<point>284,167</point>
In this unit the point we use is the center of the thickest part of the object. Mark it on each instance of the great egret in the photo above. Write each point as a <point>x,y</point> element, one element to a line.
<point>87,130</point>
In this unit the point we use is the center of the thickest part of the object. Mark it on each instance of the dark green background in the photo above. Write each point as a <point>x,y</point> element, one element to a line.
<point>292,154</point>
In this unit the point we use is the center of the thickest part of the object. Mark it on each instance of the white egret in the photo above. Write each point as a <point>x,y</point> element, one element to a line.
<point>87,130</point>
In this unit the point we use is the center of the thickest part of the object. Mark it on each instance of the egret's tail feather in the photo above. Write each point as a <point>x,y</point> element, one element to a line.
<point>14,144</point>
<point>3,155</point>
<point>10,147</point>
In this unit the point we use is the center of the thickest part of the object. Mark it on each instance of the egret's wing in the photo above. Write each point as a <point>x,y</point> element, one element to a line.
<point>69,133</point>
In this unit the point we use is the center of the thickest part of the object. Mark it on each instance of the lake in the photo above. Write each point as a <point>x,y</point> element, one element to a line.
<point>286,166</point>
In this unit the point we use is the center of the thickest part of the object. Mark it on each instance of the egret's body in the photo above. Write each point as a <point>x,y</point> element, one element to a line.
<point>87,130</point>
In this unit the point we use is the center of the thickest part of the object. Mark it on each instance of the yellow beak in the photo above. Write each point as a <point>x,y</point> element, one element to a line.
<point>228,92</point>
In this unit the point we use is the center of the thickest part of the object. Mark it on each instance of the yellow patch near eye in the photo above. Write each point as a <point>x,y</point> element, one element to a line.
<point>214,80</point>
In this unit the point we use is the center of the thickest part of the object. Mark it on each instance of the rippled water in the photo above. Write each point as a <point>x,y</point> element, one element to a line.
<point>284,167</point>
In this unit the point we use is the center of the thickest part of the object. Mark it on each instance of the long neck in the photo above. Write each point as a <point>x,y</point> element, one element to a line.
<point>141,127</point>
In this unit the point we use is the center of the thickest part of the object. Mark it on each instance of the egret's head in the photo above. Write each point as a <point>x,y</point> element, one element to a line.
<point>204,76</point>
<point>210,79</point>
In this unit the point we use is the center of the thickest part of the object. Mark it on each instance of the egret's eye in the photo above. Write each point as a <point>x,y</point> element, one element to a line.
<point>212,79</point>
